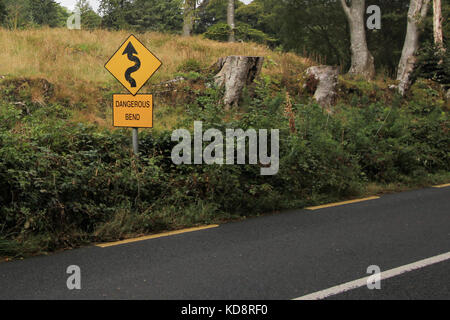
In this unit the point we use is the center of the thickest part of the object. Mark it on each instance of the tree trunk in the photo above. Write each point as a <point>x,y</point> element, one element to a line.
<point>235,73</point>
<point>230,20</point>
<point>189,12</point>
<point>416,14</point>
<point>437,23</point>
<point>362,60</point>
<point>323,79</point>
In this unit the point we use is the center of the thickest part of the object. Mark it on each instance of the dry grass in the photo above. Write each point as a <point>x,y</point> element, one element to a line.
<point>62,55</point>
<point>74,60</point>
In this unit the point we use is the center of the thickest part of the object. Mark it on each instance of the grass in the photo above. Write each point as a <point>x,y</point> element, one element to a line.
<point>73,61</point>
<point>123,225</point>
<point>380,189</point>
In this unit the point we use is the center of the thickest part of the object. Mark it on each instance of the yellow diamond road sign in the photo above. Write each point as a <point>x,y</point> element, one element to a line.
<point>133,64</point>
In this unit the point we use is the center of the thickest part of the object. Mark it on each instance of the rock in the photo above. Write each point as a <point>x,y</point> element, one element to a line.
<point>172,81</point>
<point>392,87</point>
<point>324,79</point>
<point>235,72</point>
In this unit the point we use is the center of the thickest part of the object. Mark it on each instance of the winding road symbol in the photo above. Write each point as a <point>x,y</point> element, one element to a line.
<point>131,52</point>
<point>133,64</point>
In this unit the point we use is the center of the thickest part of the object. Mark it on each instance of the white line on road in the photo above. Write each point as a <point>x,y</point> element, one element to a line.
<point>384,275</point>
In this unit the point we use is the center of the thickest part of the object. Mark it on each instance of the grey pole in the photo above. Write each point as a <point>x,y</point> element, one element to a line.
<point>135,142</point>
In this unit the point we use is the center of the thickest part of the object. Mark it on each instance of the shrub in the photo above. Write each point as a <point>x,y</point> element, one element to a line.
<point>243,32</point>
<point>190,65</point>
<point>64,183</point>
<point>433,63</point>
<point>218,32</point>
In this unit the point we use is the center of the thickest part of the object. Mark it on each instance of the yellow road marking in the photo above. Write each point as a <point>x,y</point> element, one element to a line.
<point>442,185</point>
<point>154,236</point>
<point>341,203</point>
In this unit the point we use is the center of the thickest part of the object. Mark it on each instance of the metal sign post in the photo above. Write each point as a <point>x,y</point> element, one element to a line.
<point>135,110</point>
<point>135,142</point>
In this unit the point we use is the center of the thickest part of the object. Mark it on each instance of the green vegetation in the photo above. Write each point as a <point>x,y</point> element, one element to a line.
<point>221,31</point>
<point>321,29</point>
<point>64,183</point>
<point>22,14</point>
<point>142,15</point>
<point>68,179</point>
<point>433,63</point>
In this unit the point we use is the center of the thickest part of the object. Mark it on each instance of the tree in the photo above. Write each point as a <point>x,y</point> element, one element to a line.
<point>189,17</point>
<point>211,12</point>
<point>27,13</point>
<point>230,20</point>
<point>45,12</point>
<point>416,15</point>
<point>142,15</point>
<point>156,15</point>
<point>89,19</point>
<point>252,14</point>
<point>386,44</point>
<point>321,30</point>
<point>114,13</point>
<point>362,61</point>
<point>437,23</point>
<point>3,12</point>
<point>18,13</point>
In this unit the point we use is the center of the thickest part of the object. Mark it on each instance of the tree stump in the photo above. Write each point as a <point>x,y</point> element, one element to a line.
<point>235,73</point>
<point>324,79</point>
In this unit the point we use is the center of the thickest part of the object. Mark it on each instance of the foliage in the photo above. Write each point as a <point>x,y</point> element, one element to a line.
<point>30,13</point>
<point>218,32</point>
<point>3,12</point>
<point>190,65</point>
<point>315,29</point>
<point>114,13</point>
<point>243,32</point>
<point>89,19</point>
<point>46,13</point>
<point>64,183</point>
<point>433,63</point>
<point>323,32</point>
<point>155,15</point>
<point>142,15</point>
<point>211,12</point>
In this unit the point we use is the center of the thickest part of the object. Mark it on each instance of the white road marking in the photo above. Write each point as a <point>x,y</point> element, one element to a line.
<point>384,275</point>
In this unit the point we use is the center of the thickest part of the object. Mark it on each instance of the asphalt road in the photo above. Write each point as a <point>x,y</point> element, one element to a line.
<point>282,256</point>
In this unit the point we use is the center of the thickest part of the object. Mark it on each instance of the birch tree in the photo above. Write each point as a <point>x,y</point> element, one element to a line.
<point>189,17</point>
<point>230,20</point>
<point>416,15</point>
<point>362,61</point>
<point>437,24</point>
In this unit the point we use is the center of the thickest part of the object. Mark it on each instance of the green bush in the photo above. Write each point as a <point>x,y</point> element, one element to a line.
<point>218,32</point>
<point>433,63</point>
<point>64,183</point>
<point>190,65</point>
<point>243,32</point>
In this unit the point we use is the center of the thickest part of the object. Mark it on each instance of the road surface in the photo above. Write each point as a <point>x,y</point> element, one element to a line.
<point>284,256</point>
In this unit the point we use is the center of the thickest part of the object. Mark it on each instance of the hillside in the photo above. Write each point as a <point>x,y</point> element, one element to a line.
<point>67,179</point>
<point>73,62</point>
